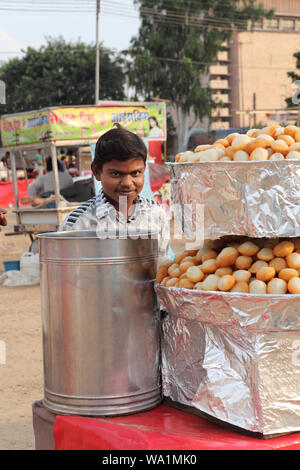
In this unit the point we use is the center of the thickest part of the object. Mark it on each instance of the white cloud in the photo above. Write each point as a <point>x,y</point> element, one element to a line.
<point>9,47</point>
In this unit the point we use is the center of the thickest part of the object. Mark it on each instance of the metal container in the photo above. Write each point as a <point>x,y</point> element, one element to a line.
<point>254,198</point>
<point>235,357</point>
<point>101,325</point>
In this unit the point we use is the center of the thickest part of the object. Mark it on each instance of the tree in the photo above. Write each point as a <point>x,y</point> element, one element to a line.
<point>177,42</point>
<point>60,73</point>
<point>294,100</point>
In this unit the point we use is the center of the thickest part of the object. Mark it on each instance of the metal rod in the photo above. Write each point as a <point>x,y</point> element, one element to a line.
<point>14,178</point>
<point>55,174</point>
<point>97,72</point>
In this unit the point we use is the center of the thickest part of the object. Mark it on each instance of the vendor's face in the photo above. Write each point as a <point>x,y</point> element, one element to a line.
<point>121,179</point>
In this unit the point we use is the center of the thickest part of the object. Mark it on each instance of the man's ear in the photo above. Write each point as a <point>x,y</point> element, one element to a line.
<point>96,171</point>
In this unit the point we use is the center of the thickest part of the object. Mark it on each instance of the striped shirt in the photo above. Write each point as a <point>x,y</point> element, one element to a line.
<point>98,214</point>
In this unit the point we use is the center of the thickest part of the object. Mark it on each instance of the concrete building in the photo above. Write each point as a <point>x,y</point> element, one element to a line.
<point>250,77</point>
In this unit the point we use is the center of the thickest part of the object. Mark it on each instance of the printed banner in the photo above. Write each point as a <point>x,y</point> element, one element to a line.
<point>92,122</point>
<point>87,122</point>
<point>25,128</point>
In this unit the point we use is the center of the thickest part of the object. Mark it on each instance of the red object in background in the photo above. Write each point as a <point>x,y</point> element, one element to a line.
<point>155,150</point>
<point>163,428</point>
<point>7,192</point>
<point>159,175</point>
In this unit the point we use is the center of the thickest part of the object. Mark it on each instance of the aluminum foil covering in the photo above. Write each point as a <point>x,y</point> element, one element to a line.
<point>256,198</point>
<point>235,356</point>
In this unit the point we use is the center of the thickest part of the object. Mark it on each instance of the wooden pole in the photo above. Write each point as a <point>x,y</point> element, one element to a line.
<point>97,70</point>
<point>24,167</point>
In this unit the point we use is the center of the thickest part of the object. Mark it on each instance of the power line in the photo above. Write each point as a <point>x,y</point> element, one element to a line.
<point>170,17</point>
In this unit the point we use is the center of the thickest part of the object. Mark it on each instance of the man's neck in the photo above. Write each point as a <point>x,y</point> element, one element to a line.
<point>122,208</point>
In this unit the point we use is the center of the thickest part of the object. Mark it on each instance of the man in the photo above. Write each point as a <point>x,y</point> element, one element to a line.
<point>39,162</point>
<point>6,159</point>
<point>44,184</point>
<point>3,220</point>
<point>120,163</point>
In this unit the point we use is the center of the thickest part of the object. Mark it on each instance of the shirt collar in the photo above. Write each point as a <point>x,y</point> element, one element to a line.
<point>104,207</point>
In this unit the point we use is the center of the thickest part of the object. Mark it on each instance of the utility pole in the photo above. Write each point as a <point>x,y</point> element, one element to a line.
<point>97,72</point>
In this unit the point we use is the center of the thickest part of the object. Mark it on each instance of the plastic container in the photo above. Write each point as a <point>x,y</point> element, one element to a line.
<point>30,264</point>
<point>11,265</point>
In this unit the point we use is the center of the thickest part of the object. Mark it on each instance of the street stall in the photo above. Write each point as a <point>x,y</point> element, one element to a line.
<point>231,336</point>
<point>84,371</point>
<point>230,333</point>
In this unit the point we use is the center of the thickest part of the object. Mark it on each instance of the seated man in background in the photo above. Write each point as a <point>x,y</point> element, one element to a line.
<point>44,184</point>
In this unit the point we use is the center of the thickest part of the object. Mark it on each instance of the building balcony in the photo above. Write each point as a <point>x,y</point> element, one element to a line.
<point>219,84</point>
<point>221,113</point>
<point>223,56</point>
<point>224,98</point>
<point>219,70</point>
<point>217,125</point>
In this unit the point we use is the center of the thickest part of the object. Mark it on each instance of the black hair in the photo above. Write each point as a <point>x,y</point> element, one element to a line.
<point>119,144</point>
<point>154,119</point>
<point>49,164</point>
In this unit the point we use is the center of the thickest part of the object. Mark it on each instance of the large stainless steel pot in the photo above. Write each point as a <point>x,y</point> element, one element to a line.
<point>101,326</point>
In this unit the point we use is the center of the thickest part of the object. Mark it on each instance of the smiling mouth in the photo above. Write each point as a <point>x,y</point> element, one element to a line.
<point>127,193</point>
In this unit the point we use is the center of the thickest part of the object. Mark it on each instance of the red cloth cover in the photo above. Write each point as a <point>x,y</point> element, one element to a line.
<point>155,150</point>
<point>163,428</point>
<point>7,192</point>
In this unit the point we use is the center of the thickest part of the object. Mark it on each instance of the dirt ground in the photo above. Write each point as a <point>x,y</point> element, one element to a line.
<point>21,374</point>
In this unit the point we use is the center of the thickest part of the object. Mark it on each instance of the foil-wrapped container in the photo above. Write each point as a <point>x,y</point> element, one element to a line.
<point>235,357</point>
<point>255,198</point>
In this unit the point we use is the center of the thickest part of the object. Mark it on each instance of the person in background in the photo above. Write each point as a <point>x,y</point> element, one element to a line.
<point>71,158</point>
<point>5,160</point>
<point>44,184</point>
<point>39,162</point>
<point>61,155</point>
<point>63,163</point>
<point>3,220</point>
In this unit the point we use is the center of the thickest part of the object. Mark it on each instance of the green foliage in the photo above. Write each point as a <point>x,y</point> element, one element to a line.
<point>294,77</point>
<point>60,73</point>
<point>177,42</point>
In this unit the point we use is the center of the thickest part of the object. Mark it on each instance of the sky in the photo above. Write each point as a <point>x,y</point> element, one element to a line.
<point>23,27</point>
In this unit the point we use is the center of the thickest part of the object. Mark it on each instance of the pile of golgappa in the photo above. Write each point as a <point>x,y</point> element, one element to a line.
<point>269,143</point>
<point>255,266</point>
